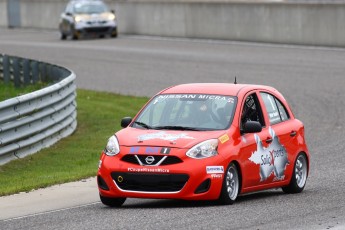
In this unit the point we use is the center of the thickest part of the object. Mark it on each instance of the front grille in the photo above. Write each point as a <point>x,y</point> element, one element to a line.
<point>170,160</point>
<point>97,29</point>
<point>158,159</point>
<point>145,182</point>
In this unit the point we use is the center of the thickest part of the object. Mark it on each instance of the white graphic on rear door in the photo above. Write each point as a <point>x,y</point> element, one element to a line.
<point>272,159</point>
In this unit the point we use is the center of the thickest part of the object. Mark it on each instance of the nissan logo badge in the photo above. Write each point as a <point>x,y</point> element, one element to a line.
<point>149,160</point>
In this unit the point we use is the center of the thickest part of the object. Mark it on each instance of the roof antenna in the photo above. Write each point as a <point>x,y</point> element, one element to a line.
<point>235,81</point>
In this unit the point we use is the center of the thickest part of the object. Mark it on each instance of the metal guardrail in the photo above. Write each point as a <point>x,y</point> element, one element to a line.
<point>35,120</point>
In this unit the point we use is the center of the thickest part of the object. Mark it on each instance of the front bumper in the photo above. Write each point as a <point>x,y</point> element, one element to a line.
<point>101,27</point>
<point>188,180</point>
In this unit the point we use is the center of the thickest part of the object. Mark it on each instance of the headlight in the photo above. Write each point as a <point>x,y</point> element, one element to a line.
<point>78,18</point>
<point>112,147</point>
<point>204,149</point>
<point>111,17</point>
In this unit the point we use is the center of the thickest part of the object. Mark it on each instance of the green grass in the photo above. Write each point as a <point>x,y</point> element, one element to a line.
<point>8,91</point>
<point>75,157</point>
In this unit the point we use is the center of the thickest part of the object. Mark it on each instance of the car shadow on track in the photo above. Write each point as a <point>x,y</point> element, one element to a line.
<point>133,203</point>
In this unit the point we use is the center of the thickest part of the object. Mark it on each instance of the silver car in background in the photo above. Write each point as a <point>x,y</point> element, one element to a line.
<point>87,17</point>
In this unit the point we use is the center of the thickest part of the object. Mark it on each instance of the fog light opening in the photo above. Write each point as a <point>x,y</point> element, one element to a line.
<point>204,186</point>
<point>101,183</point>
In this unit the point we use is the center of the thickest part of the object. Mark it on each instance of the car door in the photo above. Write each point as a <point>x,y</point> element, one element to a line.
<point>255,160</point>
<point>67,19</point>
<point>283,130</point>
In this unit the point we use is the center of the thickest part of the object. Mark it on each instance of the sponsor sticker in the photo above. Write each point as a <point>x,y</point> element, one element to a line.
<point>150,150</point>
<point>216,176</point>
<point>214,169</point>
<point>153,170</point>
<point>270,160</point>
<point>134,149</point>
<point>224,138</point>
<point>163,136</point>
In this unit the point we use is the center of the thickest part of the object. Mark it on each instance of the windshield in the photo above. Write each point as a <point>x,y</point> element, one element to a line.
<point>187,112</point>
<point>90,8</point>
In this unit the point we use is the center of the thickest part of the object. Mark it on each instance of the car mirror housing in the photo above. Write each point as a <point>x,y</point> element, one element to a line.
<point>251,127</point>
<point>125,121</point>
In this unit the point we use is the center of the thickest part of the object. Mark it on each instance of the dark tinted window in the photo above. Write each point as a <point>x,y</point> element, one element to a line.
<point>251,110</point>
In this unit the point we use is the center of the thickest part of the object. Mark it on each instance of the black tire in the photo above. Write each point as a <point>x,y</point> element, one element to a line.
<point>231,185</point>
<point>75,33</point>
<point>114,33</point>
<point>112,202</point>
<point>299,177</point>
<point>63,36</point>
<point>75,36</point>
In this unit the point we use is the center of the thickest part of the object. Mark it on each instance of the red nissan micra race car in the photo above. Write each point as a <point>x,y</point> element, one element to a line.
<point>205,142</point>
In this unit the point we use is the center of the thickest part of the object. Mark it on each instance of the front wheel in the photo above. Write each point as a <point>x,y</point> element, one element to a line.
<point>231,185</point>
<point>112,202</point>
<point>299,176</point>
<point>114,33</point>
<point>63,36</point>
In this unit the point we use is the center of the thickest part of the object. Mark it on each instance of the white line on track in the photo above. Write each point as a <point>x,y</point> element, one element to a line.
<point>48,212</point>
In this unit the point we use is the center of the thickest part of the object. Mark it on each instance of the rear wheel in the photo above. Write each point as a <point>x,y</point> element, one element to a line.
<point>112,202</point>
<point>231,185</point>
<point>299,177</point>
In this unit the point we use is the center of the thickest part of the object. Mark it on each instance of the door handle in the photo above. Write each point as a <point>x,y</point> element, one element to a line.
<point>269,140</point>
<point>293,133</point>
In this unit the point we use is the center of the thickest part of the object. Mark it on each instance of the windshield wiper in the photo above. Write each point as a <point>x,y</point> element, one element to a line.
<point>142,124</point>
<point>175,127</point>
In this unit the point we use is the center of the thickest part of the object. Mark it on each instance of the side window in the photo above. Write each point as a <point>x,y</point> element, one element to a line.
<point>69,8</point>
<point>251,110</point>
<point>275,110</point>
<point>282,111</point>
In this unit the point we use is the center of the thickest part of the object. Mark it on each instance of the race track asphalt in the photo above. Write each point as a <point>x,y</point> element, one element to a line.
<point>311,78</point>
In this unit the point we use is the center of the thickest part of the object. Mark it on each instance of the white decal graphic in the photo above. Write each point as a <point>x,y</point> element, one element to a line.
<point>214,169</point>
<point>272,159</point>
<point>151,170</point>
<point>163,136</point>
<point>195,97</point>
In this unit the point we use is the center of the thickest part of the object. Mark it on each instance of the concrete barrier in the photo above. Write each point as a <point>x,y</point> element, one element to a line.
<point>3,13</point>
<point>309,24</point>
<point>274,22</point>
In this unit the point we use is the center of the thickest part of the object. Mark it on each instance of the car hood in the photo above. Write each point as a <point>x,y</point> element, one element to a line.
<point>96,16</point>
<point>172,138</point>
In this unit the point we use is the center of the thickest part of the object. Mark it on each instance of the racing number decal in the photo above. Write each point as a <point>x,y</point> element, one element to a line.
<point>165,150</point>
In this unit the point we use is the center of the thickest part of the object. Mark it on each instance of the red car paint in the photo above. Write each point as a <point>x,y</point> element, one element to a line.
<point>264,159</point>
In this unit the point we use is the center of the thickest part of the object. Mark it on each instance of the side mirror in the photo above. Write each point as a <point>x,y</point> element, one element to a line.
<point>112,11</point>
<point>251,127</point>
<point>125,121</point>
<point>68,13</point>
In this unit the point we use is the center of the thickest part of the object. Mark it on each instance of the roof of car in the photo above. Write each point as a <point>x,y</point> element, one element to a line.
<point>213,88</point>
<point>86,1</point>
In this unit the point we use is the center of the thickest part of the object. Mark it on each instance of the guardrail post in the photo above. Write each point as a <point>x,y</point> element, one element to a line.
<point>16,72</point>
<point>43,75</point>
<point>26,71</point>
<point>35,71</point>
<point>6,69</point>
